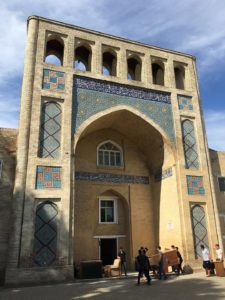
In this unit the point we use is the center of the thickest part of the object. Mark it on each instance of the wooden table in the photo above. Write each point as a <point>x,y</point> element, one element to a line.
<point>219,268</point>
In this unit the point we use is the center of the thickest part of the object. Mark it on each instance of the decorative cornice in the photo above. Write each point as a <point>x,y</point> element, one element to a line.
<point>121,90</point>
<point>108,177</point>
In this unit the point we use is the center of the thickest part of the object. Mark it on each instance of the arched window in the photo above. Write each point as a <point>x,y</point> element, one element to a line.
<point>158,73</point>
<point>45,235</point>
<point>54,51</point>
<point>109,64</point>
<point>189,144</point>
<point>179,74</point>
<point>50,133</point>
<point>134,69</point>
<point>199,228</point>
<point>83,58</point>
<point>109,154</point>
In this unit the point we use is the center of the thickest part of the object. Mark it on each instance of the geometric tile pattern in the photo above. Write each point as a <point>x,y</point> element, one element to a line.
<point>48,177</point>
<point>185,102</point>
<point>108,177</point>
<point>221,181</point>
<point>53,80</point>
<point>164,174</point>
<point>195,185</point>
<point>94,96</point>
<point>50,133</point>
<point>199,229</point>
<point>189,144</point>
<point>45,236</point>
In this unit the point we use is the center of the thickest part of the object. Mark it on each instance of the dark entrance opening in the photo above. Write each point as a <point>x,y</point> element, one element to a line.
<point>108,248</point>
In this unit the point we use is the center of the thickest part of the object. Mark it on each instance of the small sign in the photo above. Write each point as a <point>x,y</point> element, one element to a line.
<point>169,226</point>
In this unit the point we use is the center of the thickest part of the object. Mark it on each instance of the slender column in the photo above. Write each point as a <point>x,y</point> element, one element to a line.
<point>169,74</point>
<point>23,142</point>
<point>97,58</point>
<point>122,64</point>
<point>146,70</point>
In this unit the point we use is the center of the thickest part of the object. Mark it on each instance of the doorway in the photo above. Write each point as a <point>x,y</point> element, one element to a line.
<point>108,251</point>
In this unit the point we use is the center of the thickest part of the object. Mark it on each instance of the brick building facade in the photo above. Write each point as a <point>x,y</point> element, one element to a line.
<point>111,151</point>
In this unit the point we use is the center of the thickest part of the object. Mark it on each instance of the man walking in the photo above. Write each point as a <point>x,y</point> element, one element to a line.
<point>122,256</point>
<point>143,266</point>
<point>206,260</point>
<point>161,264</point>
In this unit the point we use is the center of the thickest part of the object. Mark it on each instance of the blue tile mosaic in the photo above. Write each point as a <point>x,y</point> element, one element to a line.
<point>93,96</point>
<point>164,174</point>
<point>195,185</point>
<point>53,80</point>
<point>48,177</point>
<point>185,102</point>
<point>108,177</point>
<point>121,90</point>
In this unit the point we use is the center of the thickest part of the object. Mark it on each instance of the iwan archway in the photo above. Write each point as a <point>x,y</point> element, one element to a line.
<point>125,184</point>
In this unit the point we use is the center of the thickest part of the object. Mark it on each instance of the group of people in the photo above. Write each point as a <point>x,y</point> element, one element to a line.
<point>143,264</point>
<point>208,264</point>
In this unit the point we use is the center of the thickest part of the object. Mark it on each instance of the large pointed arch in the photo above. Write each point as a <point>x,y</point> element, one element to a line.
<point>81,129</point>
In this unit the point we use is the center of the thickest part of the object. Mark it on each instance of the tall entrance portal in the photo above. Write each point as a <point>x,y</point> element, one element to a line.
<point>123,168</point>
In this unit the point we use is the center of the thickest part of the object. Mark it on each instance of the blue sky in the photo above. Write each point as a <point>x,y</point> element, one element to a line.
<point>193,26</point>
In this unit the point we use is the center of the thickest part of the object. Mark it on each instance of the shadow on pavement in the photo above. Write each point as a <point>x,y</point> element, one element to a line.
<point>185,287</point>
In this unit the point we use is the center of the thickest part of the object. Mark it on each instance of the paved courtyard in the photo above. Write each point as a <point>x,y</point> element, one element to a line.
<point>195,286</point>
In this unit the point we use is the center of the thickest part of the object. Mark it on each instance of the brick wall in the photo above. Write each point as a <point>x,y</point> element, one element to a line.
<point>7,155</point>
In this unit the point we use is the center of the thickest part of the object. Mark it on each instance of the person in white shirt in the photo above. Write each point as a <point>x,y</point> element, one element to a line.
<point>206,260</point>
<point>219,253</point>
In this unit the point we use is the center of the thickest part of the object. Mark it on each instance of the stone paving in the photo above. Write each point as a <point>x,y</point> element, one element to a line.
<point>195,286</point>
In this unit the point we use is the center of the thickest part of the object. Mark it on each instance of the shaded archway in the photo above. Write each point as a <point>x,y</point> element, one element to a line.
<point>109,63</point>
<point>158,73</point>
<point>82,129</point>
<point>54,52</point>
<point>147,152</point>
<point>134,68</point>
<point>179,73</point>
<point>83,56</point>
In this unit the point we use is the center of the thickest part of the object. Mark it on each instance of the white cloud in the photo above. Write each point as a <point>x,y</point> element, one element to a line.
<point>197,27</point>
<point>215,129</point>
<point>9,111</point>
<point>12,41</point>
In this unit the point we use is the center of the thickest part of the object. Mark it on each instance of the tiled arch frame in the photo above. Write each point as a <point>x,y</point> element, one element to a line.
<point>136,112</point>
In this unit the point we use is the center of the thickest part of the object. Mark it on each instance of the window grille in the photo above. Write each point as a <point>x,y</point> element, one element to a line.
<point>199,229</point>
<point>221,181</point>
<point>1,166</point>
<point>189,144</point>
<point>50,134</point>
<point>45,236</point>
